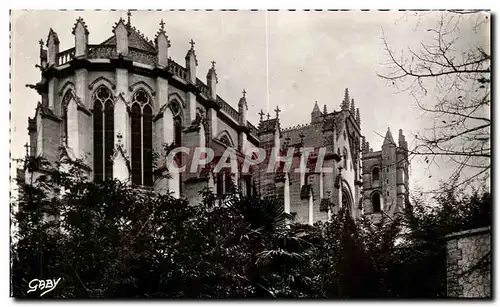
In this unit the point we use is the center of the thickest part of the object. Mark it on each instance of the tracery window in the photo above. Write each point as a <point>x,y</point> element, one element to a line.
<point>141,122</point>
<point>103,121</point>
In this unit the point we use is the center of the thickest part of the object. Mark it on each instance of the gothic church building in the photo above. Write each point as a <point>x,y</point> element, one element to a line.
<point>120,104</point>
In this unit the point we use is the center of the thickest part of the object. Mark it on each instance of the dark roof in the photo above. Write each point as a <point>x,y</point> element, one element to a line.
<point>135,40</point>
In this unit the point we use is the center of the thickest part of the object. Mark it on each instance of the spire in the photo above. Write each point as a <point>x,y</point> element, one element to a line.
<point>388,140</point>
<point>243,99</point>
<point>316,114</point>
<point>358,117</point>
<point>191,52</point>
<point>243,108</point>
<point>352,106</point>
<point>316,107</point>
<point>324,110</point>
<point>345,102</point>
<point>82,22</point>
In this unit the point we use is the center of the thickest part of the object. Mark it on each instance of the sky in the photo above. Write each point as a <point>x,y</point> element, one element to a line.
<point>285,59</point>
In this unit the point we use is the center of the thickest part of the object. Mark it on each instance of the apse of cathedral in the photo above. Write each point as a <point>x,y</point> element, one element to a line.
<point>122,105</point>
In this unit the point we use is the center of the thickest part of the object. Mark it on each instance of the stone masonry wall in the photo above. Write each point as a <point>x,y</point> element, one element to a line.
<point>466,250</point>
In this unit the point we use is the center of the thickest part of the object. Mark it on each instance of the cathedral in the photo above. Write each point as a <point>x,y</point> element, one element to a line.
<point>122,105</point>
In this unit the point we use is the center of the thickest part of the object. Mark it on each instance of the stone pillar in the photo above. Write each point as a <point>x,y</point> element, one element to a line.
<point>73,134</point>
<point>162,45</point>
<point>287,194</point>
<point>191,63</point>
<point>52,47</point>
<point>212,81</point>
<point>52,96</point>
<point>121,34</point>
<point>81,38</point>
<point>213,122</point>
<point>121,125</point>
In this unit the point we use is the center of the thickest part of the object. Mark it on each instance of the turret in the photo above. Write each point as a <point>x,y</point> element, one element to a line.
<point>191,63</point>
<point>212,81</point>
<point>401,140</point>
<point>162,45</point>
<point>52,47</point>
<point>316,114</point>
<point>345,102</point>
<point>388,140</point>
<point>81,34</point>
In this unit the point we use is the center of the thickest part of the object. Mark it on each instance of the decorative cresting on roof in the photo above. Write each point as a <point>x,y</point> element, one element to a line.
<point>80,20</point>
<point>135,39</point>
<point>191,52</point>
<point>345,102</point>
<point>54,34</point>
<point>213,72</point>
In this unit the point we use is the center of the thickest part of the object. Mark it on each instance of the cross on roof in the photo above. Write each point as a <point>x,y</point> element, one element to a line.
<point>277,110</point>
<point>213,64</point>
<point>162,25</point>
<point>128,16</point>
<point>261,114</point>
<point>244,92</point>
<point>268,116</point>
<point>192,43</point>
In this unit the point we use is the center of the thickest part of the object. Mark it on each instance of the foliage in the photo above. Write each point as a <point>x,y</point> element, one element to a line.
<point>113,240</point>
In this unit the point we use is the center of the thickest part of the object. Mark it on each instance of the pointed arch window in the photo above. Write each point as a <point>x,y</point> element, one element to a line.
<point>375,174</point>
<point>103,122</point>
<point>141,121</point>
<point>346,199</point>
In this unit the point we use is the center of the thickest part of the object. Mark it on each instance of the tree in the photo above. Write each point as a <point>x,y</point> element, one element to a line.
<point>112,240</point>
<point>449,79</point>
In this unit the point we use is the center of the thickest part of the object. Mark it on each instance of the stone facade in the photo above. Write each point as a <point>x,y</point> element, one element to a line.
<point>469,263</point>
<point>95,98</point>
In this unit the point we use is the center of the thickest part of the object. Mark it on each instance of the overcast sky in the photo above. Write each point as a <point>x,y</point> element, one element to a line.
<point>289,59</point>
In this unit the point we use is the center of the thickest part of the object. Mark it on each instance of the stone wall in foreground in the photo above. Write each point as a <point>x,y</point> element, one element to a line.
<point>469,263</point>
